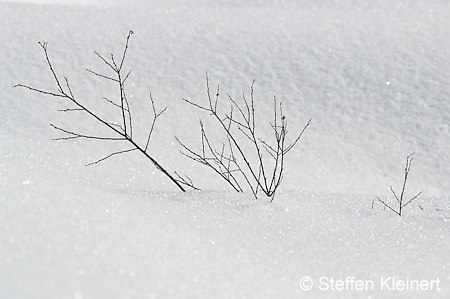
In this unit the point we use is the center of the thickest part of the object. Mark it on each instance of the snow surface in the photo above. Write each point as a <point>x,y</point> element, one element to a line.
<point>373,76</point>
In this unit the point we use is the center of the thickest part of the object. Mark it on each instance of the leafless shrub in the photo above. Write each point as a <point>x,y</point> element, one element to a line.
<point>400,200</point>
<point>122,130</point>
<point>232,160</point>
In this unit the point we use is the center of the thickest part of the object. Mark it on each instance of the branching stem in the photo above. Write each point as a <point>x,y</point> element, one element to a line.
<point>400,199</point>
<point>256,175</point>
<point>124,131</point>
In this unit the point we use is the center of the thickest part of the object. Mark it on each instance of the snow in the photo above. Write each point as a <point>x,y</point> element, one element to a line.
<point>373,76</point>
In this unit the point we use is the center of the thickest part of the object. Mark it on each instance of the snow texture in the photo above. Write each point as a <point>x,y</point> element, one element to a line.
<point>373,75</point>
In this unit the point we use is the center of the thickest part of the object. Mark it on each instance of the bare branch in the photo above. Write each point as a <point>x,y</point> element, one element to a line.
<point>104,60</point>
<point>411,199</point>
<point>254,174</point>
<point>109,156</point>
<point>247,120</point>
<point>196,105</point>
<point>112,126</point>
<point>128,110</point>
<point>44,47</point>
<point>41,91</point>
<point>112,103</point>
<point>76,135</point>
<point>126,77</point>
<point>400,200</point>
<point>268,146</point>
<point>116,68</point>
<point>236,122</point>
<point>125,50</point>
<point>217,98</point>
<point>70,109</point>
<point>102,76</point>
<point>396,197</point>
<point>68,86</point>
<point>298,137</point>
<point>387,206</point>
<point>222,169</point>
<point>117,126</point>
<point>186,181</point>
<point>155,116</point>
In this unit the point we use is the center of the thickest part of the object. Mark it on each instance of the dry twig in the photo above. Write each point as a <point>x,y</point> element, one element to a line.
<point>232,158</point>
<point>124,131</point>
<point>400,199</point>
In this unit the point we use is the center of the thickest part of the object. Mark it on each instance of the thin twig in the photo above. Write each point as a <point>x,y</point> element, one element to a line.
<point>255,175</point>
<point>387,206</point>
<point>186,181</point>
<point>411,199</point>
<point>155,116</point>
<point>124,106</point>
<point>76,135</point>
<point>70,109</point>
<point>110,155</point>
<point>102,76</point>
<point>400,199</point>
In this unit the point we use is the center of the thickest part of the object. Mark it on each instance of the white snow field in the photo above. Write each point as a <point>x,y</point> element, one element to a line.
<point>373,76</point>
